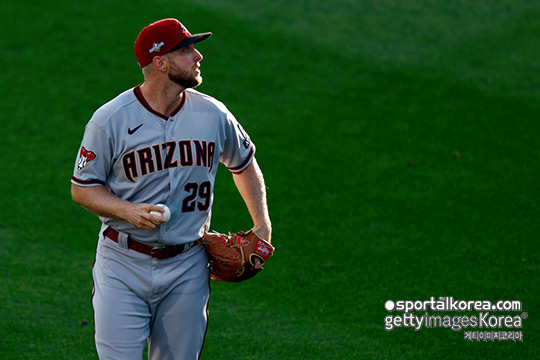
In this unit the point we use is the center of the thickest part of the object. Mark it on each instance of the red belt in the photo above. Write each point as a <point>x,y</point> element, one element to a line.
<point>159,253</point>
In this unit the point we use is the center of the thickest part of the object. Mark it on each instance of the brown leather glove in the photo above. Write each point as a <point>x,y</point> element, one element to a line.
<point>233,257</point>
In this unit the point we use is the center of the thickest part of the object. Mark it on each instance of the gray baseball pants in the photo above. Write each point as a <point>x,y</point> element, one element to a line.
<point>138,298</point>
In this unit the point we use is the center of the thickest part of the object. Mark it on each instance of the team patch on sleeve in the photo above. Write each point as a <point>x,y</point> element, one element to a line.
<point>247,140</point>
<point>85,156</point>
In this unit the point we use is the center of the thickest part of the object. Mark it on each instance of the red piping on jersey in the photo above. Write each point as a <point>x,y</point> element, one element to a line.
<point>248,159</point>
<point>138,94</point>
<point>87,182</point>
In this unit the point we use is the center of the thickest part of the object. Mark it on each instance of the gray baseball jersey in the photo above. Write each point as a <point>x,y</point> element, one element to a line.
<point>143,156</point>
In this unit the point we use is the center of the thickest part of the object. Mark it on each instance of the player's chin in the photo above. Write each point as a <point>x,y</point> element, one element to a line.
<point>187,81</point>
<point>198,81</point>
<point>194,81</point>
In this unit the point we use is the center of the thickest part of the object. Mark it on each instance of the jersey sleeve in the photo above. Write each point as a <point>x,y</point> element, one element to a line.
<point>239,149</point>
<point>93,161</point>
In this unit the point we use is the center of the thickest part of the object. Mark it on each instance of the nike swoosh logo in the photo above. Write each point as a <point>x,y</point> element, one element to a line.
<point>132,131</point>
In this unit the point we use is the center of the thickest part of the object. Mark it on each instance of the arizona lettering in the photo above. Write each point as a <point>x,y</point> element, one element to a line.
<point>168,155</point>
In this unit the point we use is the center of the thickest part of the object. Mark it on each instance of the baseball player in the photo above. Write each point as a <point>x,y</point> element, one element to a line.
<point>160,143</point>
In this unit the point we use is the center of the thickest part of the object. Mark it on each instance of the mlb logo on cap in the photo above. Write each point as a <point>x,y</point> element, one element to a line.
<point>163,36</point>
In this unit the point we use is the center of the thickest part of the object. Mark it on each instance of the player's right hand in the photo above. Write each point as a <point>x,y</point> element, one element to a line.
<point>139,216</point>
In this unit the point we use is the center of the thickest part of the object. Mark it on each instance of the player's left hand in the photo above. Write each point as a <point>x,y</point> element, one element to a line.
<point>264,233</point>
<point>236,257</point>
<point>257,263</point>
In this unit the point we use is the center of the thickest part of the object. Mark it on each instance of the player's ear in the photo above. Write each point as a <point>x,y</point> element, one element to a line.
<point>160,63</point>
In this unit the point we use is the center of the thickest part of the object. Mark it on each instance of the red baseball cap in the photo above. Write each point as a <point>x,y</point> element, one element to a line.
<point>161,37</point>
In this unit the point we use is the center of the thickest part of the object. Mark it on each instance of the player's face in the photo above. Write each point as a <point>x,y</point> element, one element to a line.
<point>184,67</point>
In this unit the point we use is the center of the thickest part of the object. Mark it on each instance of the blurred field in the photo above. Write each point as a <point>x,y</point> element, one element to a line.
<point>398,141</point>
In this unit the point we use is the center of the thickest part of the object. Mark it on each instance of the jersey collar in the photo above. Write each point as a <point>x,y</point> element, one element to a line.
<point>139,95</point>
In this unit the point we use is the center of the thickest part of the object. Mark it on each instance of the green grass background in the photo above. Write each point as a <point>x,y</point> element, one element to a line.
<point>399,143</point>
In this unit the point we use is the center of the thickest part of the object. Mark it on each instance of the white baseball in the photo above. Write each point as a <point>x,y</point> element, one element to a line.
<point>166,214</point>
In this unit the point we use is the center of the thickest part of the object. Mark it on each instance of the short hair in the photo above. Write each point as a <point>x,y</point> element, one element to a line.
<point>147,70</point>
